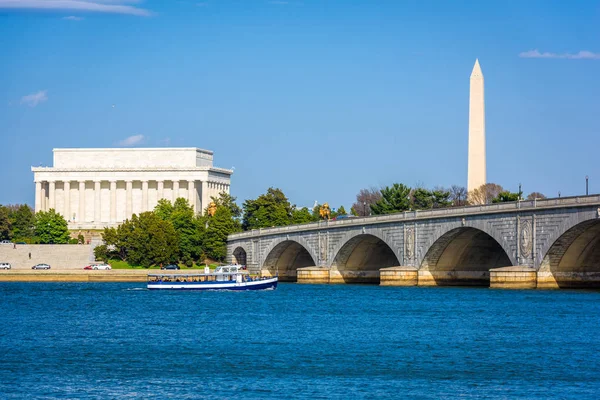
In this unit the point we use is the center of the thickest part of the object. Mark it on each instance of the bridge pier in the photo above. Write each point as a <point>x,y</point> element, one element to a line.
<point>398,276</point>
<point>313,275</point>
<point>518,277</point>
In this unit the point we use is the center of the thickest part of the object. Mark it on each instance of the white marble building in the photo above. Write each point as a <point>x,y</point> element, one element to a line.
<point>94,188</point>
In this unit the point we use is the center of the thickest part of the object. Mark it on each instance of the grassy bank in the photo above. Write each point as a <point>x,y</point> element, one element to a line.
<point>119,264</point>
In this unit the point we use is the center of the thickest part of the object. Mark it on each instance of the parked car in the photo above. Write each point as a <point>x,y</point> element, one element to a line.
<point>41,266</point>
<point>6,242</point>
<point>4,266</point>
<point>170,266</point>
<point>98,266</point>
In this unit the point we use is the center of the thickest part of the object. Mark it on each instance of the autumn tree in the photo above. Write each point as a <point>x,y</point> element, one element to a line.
<point>364,199</point>
<point>535,195</point>
<point>485,193</point>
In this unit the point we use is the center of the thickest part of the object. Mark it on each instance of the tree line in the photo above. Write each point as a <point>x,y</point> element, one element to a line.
<point>399,197</point>
<point>19,224</point>
<point>173,233</point>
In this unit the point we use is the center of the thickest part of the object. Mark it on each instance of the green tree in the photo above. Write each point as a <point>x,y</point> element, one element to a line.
<point>341,211</point>
<point>302,216</point>
<point>23,222</point>
<point>226,200</point>
<point>185,226</point>
<point>393,199</point>
<point>270,209</point>
<point>441,198</point>
<point>422,199</point>
<point>507,196</point>
<point>164,209</point>
<point>218,228</point>
<point>5,224</point>
<point>149,240</point>
<point>51,227</point>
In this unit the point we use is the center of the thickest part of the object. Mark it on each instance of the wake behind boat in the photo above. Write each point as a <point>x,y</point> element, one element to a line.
<point>226,277</point>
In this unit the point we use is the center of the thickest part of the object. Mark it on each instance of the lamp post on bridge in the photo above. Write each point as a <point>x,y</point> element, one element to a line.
<point>364,208</point>
<point>586,184</point>
<point>520,191</point>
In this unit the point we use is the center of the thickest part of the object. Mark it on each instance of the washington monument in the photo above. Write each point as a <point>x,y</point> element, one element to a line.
<point>476,173</point>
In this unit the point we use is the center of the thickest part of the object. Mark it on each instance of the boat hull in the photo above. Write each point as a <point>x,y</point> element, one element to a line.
<point>265,284</point>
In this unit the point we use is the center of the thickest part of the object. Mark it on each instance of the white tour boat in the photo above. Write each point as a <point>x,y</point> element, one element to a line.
<point>225,277</point>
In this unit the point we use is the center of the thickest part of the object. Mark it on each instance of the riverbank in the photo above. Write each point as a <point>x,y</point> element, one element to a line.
<point>129,275</point>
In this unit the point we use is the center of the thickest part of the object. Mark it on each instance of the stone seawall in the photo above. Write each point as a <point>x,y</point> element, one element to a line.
<point>58,256</point>
<point>115,275</point>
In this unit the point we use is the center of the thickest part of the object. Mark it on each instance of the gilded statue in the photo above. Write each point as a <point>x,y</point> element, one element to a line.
<point>324,211</point>
<point>212,209</point>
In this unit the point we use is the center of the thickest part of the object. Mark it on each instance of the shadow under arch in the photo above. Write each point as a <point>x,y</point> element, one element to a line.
<point>574,258</point>
<point>463,257</point>
<point>360,258</point>
<point>285,258</point>
<point>239,256</point>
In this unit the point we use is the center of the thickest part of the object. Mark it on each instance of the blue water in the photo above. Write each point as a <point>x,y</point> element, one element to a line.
<point>118,340</point>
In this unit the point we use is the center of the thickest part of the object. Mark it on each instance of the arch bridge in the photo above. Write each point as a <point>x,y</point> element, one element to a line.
<point>550,243</point>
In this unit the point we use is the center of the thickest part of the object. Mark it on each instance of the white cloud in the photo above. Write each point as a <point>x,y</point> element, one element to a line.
<point>100,6</point>
<point>582,55</point>
<point>132,140</point>
<point>34,99</point>
<point>73,18</point>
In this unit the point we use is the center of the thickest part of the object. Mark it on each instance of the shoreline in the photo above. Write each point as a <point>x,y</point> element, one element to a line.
<point>115,275</point>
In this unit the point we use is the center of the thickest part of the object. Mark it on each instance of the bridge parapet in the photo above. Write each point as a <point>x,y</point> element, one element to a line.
<point>507,207</point>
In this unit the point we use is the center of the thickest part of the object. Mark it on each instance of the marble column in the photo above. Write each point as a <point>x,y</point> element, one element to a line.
<point>204,196</point>
<point>175,190</point>
<point>38,196</point>
<point>52,194</point>
<point>97,209</point>
<point>128,199</point>
<point>81,216</point>
<point>44,196</point>
<point>67,206</point>
<point>160,189</point>
<point>113,201</point>
<point>144,196</point>
<point>192,194</point>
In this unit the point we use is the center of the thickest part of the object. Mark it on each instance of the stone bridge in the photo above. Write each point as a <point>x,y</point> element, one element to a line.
<point>546,243</point>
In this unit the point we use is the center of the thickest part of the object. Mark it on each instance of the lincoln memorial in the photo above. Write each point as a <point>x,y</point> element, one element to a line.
<point>94,188</point>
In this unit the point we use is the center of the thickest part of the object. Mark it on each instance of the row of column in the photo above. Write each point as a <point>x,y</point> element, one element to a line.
<point>41,196</point>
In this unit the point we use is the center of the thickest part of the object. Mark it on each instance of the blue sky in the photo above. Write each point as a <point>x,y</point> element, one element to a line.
<point>320,98</point>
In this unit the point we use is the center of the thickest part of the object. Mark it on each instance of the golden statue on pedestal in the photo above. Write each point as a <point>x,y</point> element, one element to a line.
<point>212,209</point>
<point>324,211</point>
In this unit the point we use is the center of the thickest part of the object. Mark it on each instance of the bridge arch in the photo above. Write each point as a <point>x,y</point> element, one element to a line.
<point>285,255</point>
<point>240,256</point>
<point>358,258</point>
<point>462,256</point>
<point>573,259</point>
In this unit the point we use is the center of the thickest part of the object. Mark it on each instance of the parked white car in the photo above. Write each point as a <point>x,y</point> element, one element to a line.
<point>6,242</point>
<point>41,266</point>
<point>99,266</point>
<point>5,266</point>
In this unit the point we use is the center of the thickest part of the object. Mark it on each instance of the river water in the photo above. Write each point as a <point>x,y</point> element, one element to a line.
<point>118,340</point>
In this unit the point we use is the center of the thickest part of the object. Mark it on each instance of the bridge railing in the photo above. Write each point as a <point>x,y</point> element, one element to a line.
<point>516,206</point>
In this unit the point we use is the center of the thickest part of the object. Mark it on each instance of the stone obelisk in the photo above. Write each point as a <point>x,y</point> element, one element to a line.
<point>476,173</point>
